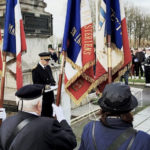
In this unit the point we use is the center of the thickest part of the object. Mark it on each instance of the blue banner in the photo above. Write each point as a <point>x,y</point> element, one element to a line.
<point>113,22</point>
<point>72,32</point>
<point>9,44</point>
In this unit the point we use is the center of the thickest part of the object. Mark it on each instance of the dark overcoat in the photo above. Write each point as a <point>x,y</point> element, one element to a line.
<point>42,133</point>
<point>44,76</point>
<point>105,136</point>
<point>54,56</point>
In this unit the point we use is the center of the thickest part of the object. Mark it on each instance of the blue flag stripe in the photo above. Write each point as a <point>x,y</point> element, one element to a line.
<point>9,44</point>
<point>113,21</point>
<point>101,24</point>
<point>72,33</point>
<point>102,12</point>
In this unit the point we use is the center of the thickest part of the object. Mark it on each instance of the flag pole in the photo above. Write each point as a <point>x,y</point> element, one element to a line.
<point>3,82</point>
<point>58,98</point>
<point>109,58</point>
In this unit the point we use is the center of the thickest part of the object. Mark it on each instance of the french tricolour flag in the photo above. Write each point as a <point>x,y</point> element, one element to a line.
<point>14,36</point>
<point>110,20</point>
<point>78,44</point>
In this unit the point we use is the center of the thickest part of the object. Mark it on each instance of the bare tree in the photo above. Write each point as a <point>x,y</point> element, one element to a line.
<point>138,26</point>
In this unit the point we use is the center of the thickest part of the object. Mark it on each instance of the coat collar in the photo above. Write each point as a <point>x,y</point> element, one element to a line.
<point>26,114</point>
<point>117,123</point>
<point>42,65</point>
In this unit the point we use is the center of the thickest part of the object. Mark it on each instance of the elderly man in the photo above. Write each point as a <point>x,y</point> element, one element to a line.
<point>28,131</point>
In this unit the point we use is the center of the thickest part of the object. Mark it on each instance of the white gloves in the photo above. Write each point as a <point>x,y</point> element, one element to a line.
<point>2,114</point>
<point>57,110</point>
<point>143,67</point>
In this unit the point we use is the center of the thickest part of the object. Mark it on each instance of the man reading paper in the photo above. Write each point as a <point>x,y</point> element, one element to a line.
<point>42,74</point>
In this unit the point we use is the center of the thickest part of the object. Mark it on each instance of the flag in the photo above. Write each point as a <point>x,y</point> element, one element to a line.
<point>79,46</point>
<point>14,36</point>
<point>1,65</point>
<point>110,20</point>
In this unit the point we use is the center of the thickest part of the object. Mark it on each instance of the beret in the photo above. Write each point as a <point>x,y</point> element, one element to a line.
<point>31,91</point>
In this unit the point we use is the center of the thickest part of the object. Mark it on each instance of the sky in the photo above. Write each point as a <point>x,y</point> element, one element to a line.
<point>58,9</point>
<point>143,4</point>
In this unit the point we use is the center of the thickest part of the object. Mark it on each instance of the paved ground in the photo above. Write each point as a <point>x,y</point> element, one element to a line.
<point>142,120</point>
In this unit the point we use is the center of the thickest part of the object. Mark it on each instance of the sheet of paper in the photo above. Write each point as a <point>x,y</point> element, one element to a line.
<point>52,88</point>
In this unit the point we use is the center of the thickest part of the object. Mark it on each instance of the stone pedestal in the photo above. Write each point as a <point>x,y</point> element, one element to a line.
<point>38,29</point>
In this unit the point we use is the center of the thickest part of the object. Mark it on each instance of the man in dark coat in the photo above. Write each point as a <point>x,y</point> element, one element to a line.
<point>40,133</point>
<point>52,53</point>
<point>139,58</point>
<point>42,74</point>
<point>147,71</point>
<point>116,104</point>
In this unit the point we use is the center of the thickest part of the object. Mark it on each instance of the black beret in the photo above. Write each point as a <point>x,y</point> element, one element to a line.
<point>31,91</point>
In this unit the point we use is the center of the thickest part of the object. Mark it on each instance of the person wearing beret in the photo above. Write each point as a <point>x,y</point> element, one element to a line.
<point>27,130</point>
<point>114,130</point>
<point>42,74</point>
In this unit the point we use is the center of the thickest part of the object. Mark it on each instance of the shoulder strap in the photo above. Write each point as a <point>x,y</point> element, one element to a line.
<point>122,138</point>
<point>93,136</point>
<point>19,127</point>
<point>131,141</point>
<point>119,140</point>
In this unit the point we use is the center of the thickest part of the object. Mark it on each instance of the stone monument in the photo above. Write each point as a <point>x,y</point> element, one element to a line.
<point>38,26</point>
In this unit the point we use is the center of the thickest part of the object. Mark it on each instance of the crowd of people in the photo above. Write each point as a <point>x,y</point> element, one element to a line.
<point>140,68</point>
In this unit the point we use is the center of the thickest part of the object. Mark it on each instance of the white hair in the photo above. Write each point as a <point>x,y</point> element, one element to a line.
<point>27,104</point>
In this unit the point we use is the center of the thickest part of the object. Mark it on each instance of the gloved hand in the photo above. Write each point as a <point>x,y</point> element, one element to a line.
<point>57,110</point>
<point>2,114</point>
<point>47,87</point>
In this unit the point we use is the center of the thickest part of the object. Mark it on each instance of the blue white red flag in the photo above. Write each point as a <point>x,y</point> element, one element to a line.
<point>14,36</point>
<point>79,45</point>
<point>111,21</point>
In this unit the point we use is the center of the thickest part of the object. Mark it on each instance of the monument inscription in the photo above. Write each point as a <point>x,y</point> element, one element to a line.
<point>39,25</point>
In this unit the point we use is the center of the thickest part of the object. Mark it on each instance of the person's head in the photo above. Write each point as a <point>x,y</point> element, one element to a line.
<point>117,100</point>
<point>29,98</point>
<point>44,58</point>
<point>50,48</point>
